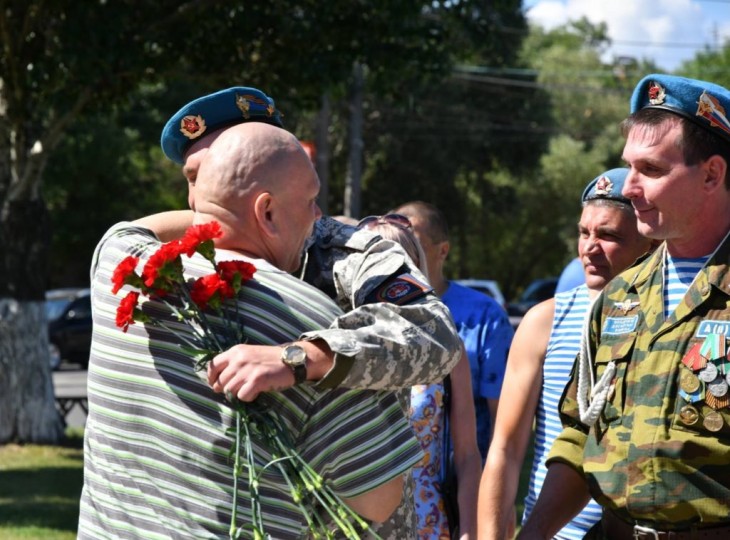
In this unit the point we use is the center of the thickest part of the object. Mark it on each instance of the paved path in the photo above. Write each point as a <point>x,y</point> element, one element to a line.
<point>70,387</point>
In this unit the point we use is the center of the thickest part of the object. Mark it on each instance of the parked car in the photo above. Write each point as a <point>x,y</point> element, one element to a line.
<point>69,326</point>
<point>486,286</point>
<point>536,292</point>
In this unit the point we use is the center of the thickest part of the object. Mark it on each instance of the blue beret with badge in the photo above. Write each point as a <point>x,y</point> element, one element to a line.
<point>206,114</point>
<point>608,186</point>
<point>704,103</point>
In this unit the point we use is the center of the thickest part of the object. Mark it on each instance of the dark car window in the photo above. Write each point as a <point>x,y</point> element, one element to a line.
<point>539,291</point>
<point>81,308</point>
<point>56,308</point>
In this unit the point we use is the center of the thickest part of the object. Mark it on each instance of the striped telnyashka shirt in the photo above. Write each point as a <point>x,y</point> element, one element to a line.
<point>156,461</point>
<point>571,308</point>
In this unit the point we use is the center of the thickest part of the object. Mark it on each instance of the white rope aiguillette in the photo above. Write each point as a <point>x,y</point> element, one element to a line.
<point>592,396</point>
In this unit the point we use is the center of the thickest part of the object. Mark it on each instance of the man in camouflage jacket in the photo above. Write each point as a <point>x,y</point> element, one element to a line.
<point>395,332</point>
<point>646,414</point>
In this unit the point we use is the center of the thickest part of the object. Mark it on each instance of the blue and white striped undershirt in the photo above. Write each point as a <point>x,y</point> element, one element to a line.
<point>571,308</point>
<point>678,276</point>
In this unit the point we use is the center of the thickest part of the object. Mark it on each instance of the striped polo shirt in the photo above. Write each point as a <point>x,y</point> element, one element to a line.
<point>571,308</point>
<point>156,459</point>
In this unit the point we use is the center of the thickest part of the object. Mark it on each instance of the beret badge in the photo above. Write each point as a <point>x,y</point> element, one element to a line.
<point>243,102</point>
<point>192,126</point>
<point>657,95</point>
<point>710,109</point>
<point>604,186</point>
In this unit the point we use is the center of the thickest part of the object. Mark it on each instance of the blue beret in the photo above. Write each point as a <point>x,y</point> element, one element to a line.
<point>209,113</point>
<point>608,186</point>
<point>702,102</point>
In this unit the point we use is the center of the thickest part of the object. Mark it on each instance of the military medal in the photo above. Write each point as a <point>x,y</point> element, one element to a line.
<point>717,402</point>
<point>718,387</point>
<point>708,380</point>
<point>713,421</point>
<point>689,415</point>
<point>708,373</point>
<point>689,382</point>
<point>693,359</point>
<point>713,347</point>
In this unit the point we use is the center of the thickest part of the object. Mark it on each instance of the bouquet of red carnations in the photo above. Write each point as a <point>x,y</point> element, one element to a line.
<point>162,278</point>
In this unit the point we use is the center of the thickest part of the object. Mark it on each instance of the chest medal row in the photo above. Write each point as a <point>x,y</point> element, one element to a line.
<point>705,378</point>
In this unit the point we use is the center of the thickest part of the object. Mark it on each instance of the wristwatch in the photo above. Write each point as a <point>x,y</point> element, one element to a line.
<point>295,357</point>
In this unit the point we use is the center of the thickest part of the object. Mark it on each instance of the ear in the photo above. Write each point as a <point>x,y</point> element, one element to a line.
<point>444,248</point>
<point>716,169</point>
<point>264,213</point>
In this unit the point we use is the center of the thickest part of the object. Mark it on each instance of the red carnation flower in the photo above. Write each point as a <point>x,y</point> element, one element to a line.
<point>125,311</point>
<point>123,272</point>
<point>164,263</point>
<point>228,270</point>
<point>198,235</point>
<point>210,289</point>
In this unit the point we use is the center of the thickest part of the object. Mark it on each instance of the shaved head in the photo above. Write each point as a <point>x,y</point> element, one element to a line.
<point>257,181</point>
<point>244,160</point>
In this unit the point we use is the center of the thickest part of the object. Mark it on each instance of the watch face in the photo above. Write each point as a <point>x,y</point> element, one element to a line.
<point>294,355</point>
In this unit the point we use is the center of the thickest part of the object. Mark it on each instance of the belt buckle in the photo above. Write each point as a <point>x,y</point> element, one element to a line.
<point>640,531</point>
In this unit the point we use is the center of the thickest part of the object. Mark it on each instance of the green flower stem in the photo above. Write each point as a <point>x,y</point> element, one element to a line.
<point>310,493</point>
<point>315,485</point>
<point>296,496</point>
<point>236,468</point>
<point>253,482</point>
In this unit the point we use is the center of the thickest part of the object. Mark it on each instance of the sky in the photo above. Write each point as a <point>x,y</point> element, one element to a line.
<point>666,31</point>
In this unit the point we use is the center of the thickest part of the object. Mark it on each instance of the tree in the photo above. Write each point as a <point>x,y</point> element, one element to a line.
<point>65,65</point>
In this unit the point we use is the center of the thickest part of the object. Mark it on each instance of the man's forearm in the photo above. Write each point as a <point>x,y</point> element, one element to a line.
<point>385,347</point>
<point>167,225</point>
<point>497,492</point>
<point>563,495</point>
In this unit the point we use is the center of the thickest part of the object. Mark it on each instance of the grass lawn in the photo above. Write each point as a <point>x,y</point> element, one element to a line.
<point>40,488</point>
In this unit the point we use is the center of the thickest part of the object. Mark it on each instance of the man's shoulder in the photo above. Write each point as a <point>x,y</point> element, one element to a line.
<point>332,234</point>
<point>458,295</point>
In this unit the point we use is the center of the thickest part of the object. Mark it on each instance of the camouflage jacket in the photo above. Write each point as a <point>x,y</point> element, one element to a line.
<point>660,451</point>
<point>378,344</point>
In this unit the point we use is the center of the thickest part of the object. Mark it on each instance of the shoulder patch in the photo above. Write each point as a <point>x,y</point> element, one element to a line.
<point>399,290</point>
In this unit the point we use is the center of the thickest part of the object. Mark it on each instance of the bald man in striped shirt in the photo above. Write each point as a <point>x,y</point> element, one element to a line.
<point>156,448</point>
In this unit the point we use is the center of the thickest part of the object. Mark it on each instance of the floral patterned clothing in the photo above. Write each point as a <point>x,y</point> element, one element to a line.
<point>427,420</point>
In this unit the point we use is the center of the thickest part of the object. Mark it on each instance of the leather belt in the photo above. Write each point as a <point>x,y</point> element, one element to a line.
<point>615,528</point>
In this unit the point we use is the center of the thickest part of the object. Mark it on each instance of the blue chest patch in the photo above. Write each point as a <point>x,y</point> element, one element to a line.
<point>713,327</point>
<point>615,326</point>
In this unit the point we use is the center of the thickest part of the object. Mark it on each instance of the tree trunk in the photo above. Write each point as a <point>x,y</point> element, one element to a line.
<point>27,409</point>
<point>322,144</point>
<point>354,167</point>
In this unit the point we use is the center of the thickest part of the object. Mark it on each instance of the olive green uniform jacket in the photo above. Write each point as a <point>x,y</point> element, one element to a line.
<point>657,453</point>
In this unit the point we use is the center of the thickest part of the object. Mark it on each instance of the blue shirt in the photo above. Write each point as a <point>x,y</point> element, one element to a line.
<point>571,277</point>
<point>484,328</point>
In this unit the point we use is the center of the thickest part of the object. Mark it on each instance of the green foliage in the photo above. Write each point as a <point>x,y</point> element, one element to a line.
<point>126,179</point>
<point>709,65</point>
